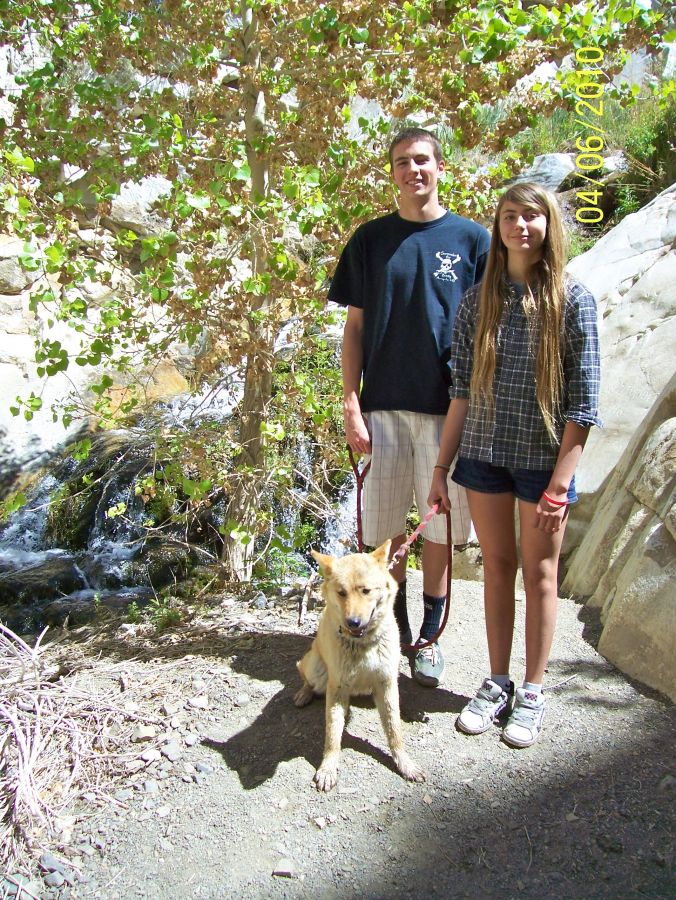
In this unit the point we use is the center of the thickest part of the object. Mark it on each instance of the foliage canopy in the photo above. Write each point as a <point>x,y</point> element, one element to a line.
<point>268,119</point>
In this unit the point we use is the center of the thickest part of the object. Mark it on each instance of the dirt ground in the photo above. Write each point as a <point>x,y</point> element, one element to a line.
<point>229,809</point>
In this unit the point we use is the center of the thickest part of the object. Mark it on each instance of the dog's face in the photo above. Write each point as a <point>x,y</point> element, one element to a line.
<point>358,588</point>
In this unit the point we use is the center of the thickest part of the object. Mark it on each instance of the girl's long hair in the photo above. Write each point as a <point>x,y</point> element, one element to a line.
<point>543,301</point>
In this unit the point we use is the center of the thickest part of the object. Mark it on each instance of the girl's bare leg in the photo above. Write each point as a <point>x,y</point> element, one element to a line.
<point>493,517</point>
<point>540,561</point>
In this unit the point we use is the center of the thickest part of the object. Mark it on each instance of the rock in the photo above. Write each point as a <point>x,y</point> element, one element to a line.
<point>667,783</point>
<point>13,277</point>
<point>132,207</point>
<point>191,740</point>
<point>143,733</point>
<point>203,768</point>
<point>52,574</point>
<point>54,879</point>
<point>172,751</point>
<point>201,702</point>
<point>242,699</point>
<point>626,566</point>
<point>284,868</point>
<point>260,601</point>
<point>549,170</point>
<point>631,272</point>
<point>51,864</point>
<point>19,885</point>
<point>150,756</point>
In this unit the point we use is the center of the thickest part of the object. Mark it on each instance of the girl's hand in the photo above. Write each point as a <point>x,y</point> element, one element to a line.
<point>439,491</point>
<point>550,517</point>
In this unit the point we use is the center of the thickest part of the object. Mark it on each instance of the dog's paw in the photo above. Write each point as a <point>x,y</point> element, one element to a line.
<point>326,778</point>
<point>303,696</point>
<point>409,769</point>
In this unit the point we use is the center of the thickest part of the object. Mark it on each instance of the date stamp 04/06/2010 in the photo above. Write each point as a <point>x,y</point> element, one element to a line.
<point>589,108</point>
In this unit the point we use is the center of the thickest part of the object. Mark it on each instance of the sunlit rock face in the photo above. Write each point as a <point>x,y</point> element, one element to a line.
<point>632,272</point>
<point>626,564</point>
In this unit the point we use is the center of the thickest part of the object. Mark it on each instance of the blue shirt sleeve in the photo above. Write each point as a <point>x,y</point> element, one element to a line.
<point>582,358</point>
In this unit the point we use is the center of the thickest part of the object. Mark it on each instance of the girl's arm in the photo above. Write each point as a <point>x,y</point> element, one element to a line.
<point>549,516</point>
<point>448,447</point>
<point>582,378</point>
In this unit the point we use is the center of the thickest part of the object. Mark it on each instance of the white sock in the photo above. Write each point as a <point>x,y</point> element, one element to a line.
<point>502,680</point>
<point>533,688</point>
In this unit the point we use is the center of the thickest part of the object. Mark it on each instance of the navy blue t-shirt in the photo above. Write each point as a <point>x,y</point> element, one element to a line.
<point>409,278</point>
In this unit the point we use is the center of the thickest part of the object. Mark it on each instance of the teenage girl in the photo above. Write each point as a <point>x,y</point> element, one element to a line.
<point>524,395</point>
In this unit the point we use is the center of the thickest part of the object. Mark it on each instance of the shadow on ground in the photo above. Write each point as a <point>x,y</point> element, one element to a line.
<point>281,732</point>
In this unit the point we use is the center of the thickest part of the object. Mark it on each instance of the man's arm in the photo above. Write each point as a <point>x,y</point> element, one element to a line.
<point>351,363</point>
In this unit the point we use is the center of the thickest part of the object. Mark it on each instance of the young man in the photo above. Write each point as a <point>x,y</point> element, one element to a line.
<point>402,277</point>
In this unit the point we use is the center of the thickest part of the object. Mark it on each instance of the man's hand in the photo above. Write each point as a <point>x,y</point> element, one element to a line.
<point>356,432</point>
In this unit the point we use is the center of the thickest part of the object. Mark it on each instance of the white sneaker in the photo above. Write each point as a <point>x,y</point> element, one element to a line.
<point>484,707</point>
<point>525,723</point>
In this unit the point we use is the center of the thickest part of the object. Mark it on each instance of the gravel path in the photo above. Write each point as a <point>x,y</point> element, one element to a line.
<point>229,810</point>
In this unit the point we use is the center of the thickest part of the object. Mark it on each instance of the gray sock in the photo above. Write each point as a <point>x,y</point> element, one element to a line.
<point>503,680</point>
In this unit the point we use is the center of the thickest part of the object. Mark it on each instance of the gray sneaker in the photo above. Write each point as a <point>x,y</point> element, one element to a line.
<point>427,665</point>
<point>525,723</point>
<point>489,702</point>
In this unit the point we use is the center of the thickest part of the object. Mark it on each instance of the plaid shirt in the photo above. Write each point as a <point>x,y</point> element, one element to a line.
<point>516,437</point>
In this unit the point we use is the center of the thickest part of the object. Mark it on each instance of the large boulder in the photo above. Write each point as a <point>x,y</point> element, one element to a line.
<point>549,170</point>
<point>631,271</point>
<point>626,565</point>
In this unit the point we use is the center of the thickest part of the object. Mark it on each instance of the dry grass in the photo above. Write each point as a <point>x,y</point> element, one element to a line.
<point>60,737</point>
<point>68,710</point>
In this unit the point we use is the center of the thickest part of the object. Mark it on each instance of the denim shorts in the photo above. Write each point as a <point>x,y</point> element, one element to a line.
<point>485,478</point>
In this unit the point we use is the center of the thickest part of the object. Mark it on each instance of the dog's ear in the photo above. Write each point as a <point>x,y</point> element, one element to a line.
<point>382,553</point>
<point>325,562</point>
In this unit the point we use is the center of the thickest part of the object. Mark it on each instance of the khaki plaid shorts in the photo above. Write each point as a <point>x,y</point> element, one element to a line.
<point>405,447</point>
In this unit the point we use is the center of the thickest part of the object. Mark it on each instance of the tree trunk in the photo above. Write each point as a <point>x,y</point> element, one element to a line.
<point>244,501</point>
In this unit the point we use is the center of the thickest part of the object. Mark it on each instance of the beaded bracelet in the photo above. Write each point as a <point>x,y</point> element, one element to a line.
<point>554,502</point>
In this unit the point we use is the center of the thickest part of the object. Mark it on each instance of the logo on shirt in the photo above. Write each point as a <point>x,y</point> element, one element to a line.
<point>447,261</point>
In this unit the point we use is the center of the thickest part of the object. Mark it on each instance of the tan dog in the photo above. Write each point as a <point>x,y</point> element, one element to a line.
<point>356,651</point>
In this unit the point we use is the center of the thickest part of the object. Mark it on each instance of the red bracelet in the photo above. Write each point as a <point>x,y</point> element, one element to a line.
<point>554,502</point>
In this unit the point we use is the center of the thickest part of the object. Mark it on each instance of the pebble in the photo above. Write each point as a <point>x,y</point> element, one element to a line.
<point>54,879</point>
<point>284,868</point>
<point>172,751</point>
<point>242,699</point>
<point>191,739</point>
<point>124,794</point>
<point>163,811</point>
<point>150,786</point>
<point>667,783</point>
<point>199,702</point>
<point>51,864</point>
<point>203,768</point>
<point>152,755</point>
<point>143,733</point>
<point>170,708</point>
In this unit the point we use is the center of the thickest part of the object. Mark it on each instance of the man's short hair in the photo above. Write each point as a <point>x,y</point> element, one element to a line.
<point>415,134</point>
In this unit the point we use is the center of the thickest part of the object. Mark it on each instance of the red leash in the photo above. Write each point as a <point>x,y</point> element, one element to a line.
<point>401,551</point>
